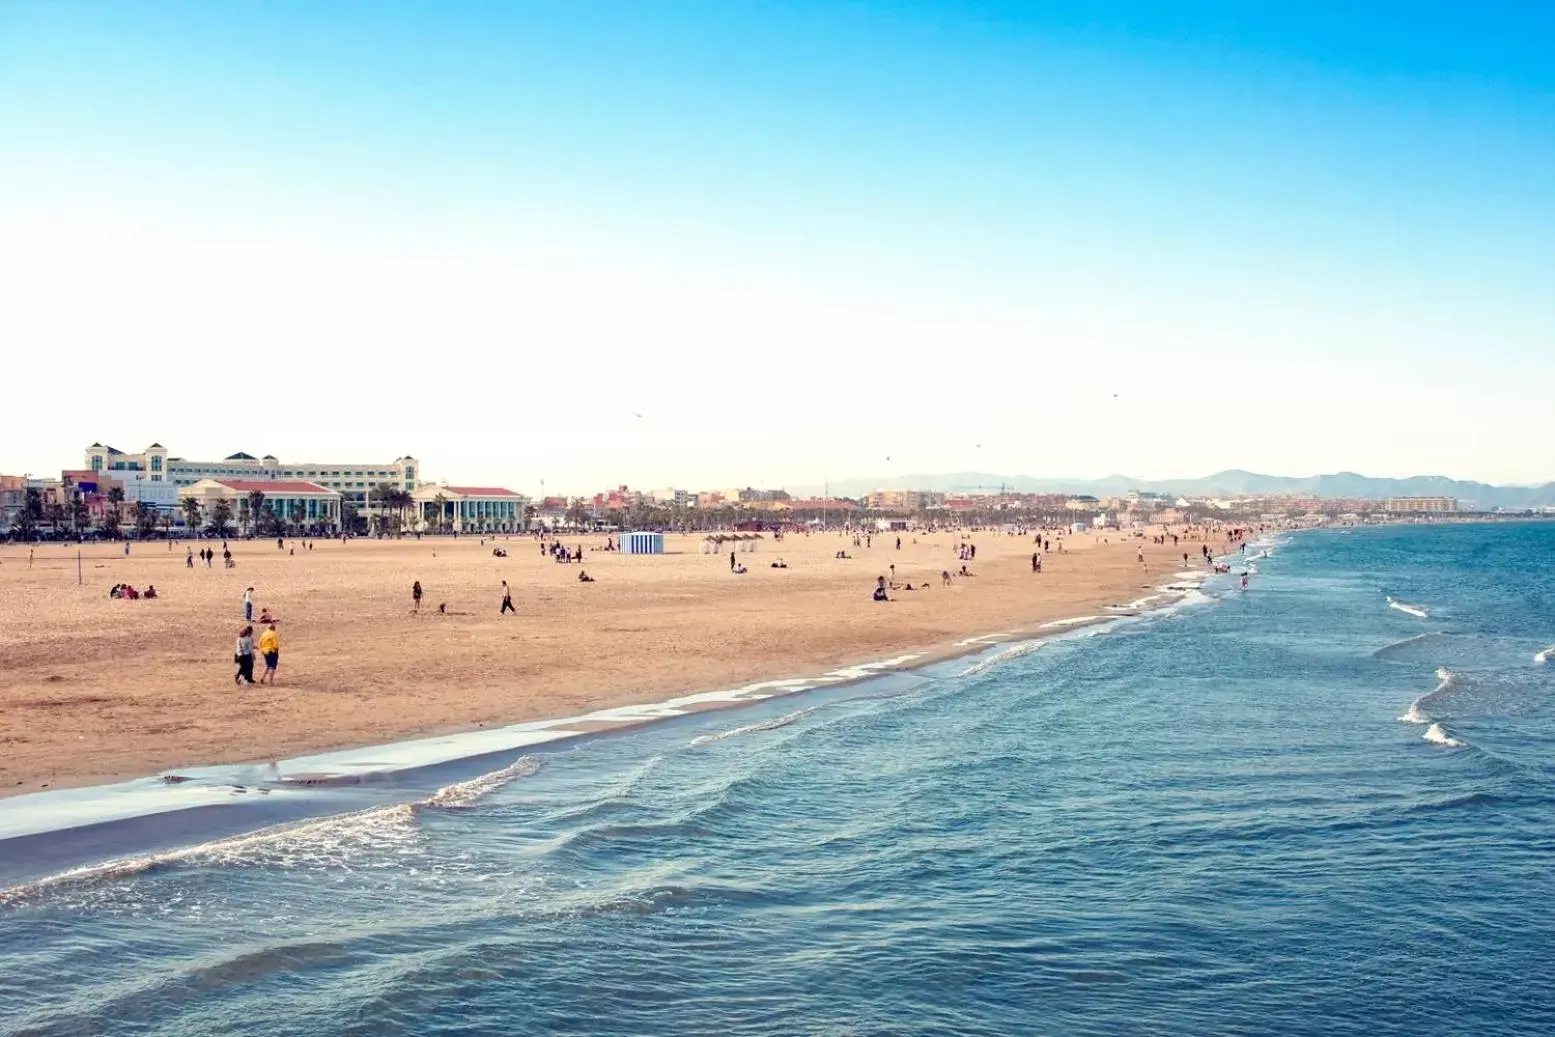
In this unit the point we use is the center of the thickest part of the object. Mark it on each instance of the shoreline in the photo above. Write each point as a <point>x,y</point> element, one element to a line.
<point>99,691</point>
<point>324,780</point>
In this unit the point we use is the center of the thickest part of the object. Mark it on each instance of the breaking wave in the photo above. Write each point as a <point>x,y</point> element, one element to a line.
<point>327,842</point>
<point>1014,651</point>
<point>1419,710</point>
<point>1413,610</point>
<point>1437,736</point>
<point>765,725</point>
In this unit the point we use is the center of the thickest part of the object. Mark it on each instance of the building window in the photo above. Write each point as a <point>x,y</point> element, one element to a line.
<point>97,464</point>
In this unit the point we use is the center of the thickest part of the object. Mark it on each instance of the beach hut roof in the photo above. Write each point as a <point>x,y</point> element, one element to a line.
<point>240,456</point>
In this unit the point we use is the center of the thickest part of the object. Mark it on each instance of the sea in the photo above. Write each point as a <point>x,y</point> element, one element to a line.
<point>1324,804</point>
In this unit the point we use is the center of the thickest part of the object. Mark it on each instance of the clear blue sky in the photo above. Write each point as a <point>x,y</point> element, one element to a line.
<point>797,239</point>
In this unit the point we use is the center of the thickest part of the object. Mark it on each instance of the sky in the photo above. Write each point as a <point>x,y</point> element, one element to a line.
<point>576,245</point>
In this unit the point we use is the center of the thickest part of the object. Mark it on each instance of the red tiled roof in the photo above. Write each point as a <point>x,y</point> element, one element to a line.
<point>271,487</point>
<point>480,491</point>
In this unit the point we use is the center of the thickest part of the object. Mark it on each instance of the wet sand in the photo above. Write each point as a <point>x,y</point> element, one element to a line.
<point>94,689</point>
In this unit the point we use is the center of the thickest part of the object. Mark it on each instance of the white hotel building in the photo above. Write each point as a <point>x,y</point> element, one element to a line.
<point>166,479</point>
<point>354,481</point>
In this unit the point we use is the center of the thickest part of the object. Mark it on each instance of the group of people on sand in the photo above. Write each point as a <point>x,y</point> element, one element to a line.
<point>557,550</point>
<point>269,644</point>
<point>207,555</point>
<point>124,590</point>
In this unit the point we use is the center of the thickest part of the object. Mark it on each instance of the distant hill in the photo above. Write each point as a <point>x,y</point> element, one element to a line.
<point>1232,483</point>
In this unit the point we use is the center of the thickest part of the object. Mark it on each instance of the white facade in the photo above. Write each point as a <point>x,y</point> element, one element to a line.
<point>354,481</point>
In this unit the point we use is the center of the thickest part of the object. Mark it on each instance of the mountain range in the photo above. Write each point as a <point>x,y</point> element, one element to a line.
<point>1231,483</point>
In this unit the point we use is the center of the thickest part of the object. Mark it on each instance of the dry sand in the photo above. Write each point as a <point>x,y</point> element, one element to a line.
<point>94,689</point>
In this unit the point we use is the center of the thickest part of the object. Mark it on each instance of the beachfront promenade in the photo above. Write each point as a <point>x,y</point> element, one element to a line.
<point>94,688</point>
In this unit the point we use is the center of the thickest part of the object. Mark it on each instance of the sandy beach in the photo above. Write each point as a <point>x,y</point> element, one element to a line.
<point>95,689</point>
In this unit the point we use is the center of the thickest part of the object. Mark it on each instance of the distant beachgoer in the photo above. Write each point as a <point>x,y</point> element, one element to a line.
<point>415,596</point>
<point>248,605</point>
<point>944,578</point>
<point>584,577</point>
<point>731,561</point>
<point>880,591</point>
<point>1036,562</point>
<point>507,601</point>
<point>1141,557</point>
<point>243,655</point>
<point>151,591</point>
<point>898,543</point>
<point>270,648</point>
<point>189,558</point>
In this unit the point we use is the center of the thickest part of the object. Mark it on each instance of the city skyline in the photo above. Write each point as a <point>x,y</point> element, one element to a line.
<point>687,245</point>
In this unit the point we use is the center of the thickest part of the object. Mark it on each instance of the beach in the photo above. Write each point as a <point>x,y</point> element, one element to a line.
<point>95,689</point>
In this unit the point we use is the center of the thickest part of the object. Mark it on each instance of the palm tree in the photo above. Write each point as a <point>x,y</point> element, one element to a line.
<point>298,514</point>
<point>191,508</point>
<point>145,519</point>
<point>79,512</point>
<point>441,503</point>
<point>221,516</point>
<point>29,514</point>
<point>56,512</point>
<point>256,503</point>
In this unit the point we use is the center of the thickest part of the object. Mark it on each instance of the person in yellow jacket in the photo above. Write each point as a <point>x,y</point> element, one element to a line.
<point>270,648</point>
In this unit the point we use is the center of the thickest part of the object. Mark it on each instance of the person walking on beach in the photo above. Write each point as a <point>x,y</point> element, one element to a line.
<point>1141,557</point>
<point>1036,562</point>
<point>248,605</point>
<point>270,648</point>
<point>415,596</point>
<point>188,558</point>
<point>243,655</point>
<point>731,561</point>
<point>507,601</point>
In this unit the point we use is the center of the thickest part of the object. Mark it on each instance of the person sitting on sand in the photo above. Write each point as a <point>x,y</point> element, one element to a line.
<point>584,577</point>
<point>880,591</point>
<point>740,570</point>
<point>115,590</point>
<point>151,591</point>
<point>265,617</point>
<point>964,571</point>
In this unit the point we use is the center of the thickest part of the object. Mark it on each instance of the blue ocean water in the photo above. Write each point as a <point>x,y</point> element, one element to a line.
<point>1210,821</point>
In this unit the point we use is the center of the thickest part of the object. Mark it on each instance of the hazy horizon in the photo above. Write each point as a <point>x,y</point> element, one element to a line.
<point>698,245</point>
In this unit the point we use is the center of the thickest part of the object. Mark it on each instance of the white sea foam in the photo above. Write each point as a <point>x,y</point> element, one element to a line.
<point>1014,651</point>
<point>1546,655</point>
<point>468,793</point>
<point>764,725</point>
<point>332,841</point>
<point>1413,610</point>
<point>1419,710</point>
<point>1437,736</point>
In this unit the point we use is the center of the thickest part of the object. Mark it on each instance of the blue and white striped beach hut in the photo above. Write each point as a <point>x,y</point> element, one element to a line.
<point>642,543</point>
